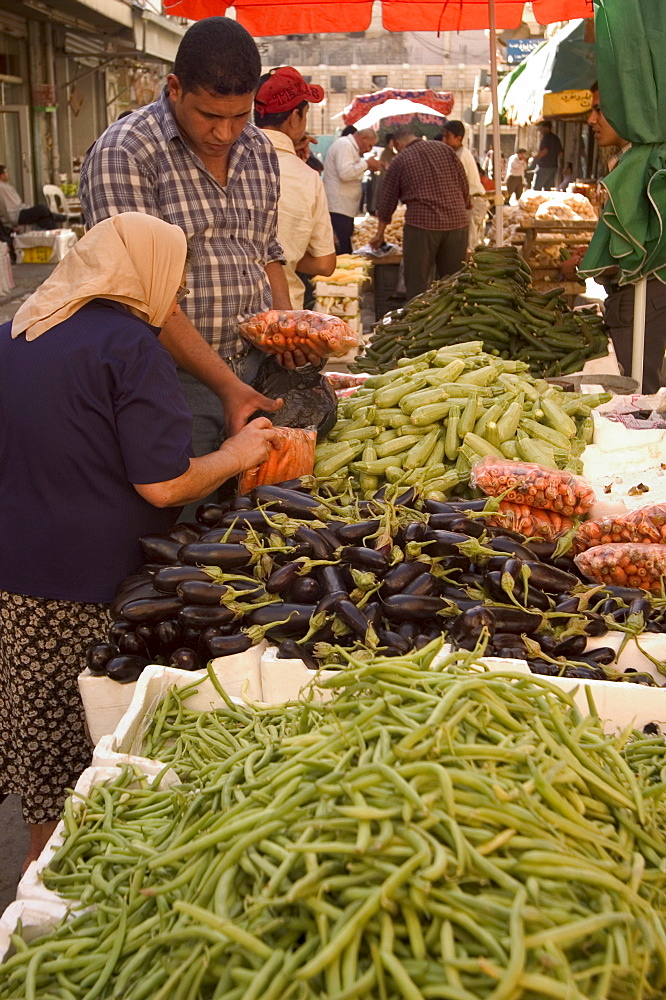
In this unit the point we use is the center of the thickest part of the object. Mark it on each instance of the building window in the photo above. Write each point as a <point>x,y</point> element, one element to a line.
<point>434,82</point>
<point>338,84</point>
<point>380,81</point>
<point>357,34</point>
<point>308,79</point>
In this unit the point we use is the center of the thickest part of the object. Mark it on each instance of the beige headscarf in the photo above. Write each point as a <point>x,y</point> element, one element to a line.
<point>131,258</point>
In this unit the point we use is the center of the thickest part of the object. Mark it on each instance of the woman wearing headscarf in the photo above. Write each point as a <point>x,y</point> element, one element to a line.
<point>95,452</point>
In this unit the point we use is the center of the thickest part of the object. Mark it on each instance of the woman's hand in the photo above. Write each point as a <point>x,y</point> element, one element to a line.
<point>252,445</point>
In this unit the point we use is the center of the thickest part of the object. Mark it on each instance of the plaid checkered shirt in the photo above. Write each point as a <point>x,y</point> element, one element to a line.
<point>429,178</point>
<point>142,164</point>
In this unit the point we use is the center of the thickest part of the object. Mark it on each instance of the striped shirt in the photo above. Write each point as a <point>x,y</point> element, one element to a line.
<point>429,178</point>
<point>142,164</point>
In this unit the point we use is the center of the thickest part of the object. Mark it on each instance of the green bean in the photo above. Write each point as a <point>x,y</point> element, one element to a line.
<point>441,830</point>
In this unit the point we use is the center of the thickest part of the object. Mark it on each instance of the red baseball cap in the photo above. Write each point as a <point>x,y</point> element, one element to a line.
<point>284,90</point>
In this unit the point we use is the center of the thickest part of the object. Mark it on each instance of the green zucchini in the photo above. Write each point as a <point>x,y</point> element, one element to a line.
<point>451,440</point>
<point>481,446</point>
<point>557,418</point>
<point>537,430</point>
<point>419,453</point>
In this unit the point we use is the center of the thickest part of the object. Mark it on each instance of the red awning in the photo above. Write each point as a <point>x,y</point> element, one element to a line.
<point>302,17</point>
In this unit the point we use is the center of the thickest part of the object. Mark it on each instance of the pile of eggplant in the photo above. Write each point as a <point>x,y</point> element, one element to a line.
<point>311,571</point>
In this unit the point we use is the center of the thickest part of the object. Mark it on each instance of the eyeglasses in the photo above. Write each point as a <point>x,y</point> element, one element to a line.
<point>182,292</point>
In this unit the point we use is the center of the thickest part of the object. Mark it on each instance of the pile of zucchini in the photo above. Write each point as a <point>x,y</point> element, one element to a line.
<point>429,420</point>
<point>491,300</point>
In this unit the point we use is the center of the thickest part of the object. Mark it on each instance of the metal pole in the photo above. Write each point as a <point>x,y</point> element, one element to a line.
<point>638,343</point>
<point>54,116</point>
<point>497,140</point>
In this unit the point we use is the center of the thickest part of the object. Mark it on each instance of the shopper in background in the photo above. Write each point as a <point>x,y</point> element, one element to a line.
<point>304,225</point>
<point>344,167</point>
<point>488,165</point>
<point>619,304</point>
<point>547,158</point>
<point>193,159</point>
<point>568,177</point>
<point>429,178</point>
<point>95,448</point>
<point>453,135</point>
<point>515,174</point>
<point>14,211</point>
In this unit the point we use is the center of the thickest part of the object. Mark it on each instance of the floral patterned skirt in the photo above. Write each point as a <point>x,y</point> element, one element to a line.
<point>43,742</point>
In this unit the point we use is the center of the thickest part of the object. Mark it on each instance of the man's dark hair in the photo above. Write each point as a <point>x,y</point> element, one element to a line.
<point>218,55</point>
<point>2,168</point>
<point>348,130</point>
<point>546,124</point>
<point>403,131</point>
<point>595,86</point>
<point>455,128</point>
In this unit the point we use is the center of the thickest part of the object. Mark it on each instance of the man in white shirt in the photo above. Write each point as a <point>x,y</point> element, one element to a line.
<point>304,226</point>
<point>515,173</point>
<point>344,167</point>
<point>454,133</point>
<point>15,212</point>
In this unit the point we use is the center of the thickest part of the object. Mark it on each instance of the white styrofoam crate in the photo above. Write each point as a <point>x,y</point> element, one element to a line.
<point>633,655</point>
<point>124,745</point>
<point>618,705</point>
<point>323,289</point>
<point>286,680</point>
<point>37,916</point>
<point>105,701</point>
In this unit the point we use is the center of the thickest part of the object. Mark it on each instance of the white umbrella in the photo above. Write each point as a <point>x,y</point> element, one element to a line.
<point>395,106</point>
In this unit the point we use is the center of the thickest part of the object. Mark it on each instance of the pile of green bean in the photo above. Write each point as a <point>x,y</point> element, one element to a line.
<point>491,299</point>
<point>429,833</point>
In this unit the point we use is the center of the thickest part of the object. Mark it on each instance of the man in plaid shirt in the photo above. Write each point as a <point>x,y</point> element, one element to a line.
<point>193,159</point>
<point>429,178</point>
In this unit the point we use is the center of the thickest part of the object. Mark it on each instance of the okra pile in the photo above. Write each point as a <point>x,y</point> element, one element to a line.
<point>491,299</point>
<point>430,419</point>
<point>432,832</point>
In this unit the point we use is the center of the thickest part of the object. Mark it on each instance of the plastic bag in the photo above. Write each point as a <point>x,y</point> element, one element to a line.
<point>294,457</point>
<point>645,525</point>
<point>309,400</point>
<point>277,331</point>
<point>530,521</point>
<point>533,485</point>
<point>625,565</point>
<point>342,382</point>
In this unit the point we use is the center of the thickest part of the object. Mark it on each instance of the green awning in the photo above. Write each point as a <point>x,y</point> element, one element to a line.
<point>631,235</point>
<point>563,62</point>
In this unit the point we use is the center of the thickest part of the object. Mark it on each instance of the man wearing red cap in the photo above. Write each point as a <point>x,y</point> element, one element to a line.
<point>304,226</point>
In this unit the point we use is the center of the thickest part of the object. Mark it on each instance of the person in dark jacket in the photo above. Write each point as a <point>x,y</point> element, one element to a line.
<point>96,451</point>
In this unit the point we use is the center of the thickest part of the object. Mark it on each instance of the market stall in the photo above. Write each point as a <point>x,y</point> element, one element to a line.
<point>394,711</point>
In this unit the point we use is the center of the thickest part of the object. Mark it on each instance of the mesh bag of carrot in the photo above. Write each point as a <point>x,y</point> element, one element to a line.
<point>532,485</point>
<point>291,457</point>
